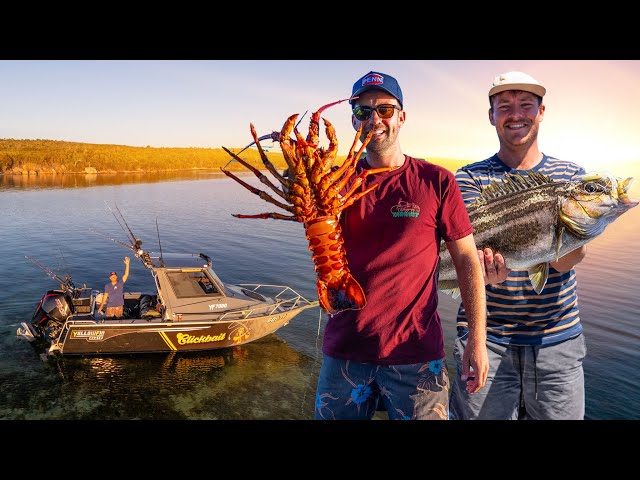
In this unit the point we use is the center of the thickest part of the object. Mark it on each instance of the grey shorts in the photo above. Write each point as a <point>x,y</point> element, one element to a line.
<point>524,382</point>
<point>354,391</point>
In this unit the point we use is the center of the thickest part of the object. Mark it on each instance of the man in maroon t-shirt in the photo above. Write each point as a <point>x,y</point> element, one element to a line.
<point>390,354</point>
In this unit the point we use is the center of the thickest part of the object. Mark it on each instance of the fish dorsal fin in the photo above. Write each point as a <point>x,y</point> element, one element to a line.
<point>513,182</point>
<point>538,275</point>
<point>449,287</point>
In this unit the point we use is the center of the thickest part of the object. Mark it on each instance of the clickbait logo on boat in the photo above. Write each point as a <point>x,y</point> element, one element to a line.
<point>184,339</point>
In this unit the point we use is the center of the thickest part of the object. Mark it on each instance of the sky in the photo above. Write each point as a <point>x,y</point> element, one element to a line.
<point>592,106</point>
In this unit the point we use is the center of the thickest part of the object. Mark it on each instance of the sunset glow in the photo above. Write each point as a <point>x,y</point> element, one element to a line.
<point>591,105</point>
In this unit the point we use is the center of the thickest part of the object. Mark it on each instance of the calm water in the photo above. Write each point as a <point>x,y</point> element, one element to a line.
<point>55,219</point>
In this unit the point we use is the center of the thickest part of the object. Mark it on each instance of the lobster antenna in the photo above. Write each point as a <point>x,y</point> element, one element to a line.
<point>305,112</point>
<point>274,136</point>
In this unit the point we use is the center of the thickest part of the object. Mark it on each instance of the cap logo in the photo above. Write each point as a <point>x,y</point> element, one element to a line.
<point>373,79</point>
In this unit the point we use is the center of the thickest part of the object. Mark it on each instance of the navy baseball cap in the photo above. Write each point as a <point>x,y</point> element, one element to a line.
<point>113,273</point>
<point>377,80</point>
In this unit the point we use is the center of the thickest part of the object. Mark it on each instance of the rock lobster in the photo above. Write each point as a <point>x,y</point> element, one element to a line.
<point>312,188</point>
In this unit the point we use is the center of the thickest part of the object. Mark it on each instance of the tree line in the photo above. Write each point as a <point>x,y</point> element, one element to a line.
<point>34,157</point>
<point>55,156</point>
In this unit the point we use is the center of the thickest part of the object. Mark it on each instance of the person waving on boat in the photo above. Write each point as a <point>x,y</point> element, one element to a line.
<point>113,295</point>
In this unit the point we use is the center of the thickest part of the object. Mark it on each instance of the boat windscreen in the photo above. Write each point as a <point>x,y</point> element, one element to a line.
<point>192,283</point>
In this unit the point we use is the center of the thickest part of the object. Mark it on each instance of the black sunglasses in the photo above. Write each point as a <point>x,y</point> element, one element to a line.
<point>385,111</point>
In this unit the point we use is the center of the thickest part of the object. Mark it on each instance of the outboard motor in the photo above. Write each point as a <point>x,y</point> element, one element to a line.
<point>51,313</point>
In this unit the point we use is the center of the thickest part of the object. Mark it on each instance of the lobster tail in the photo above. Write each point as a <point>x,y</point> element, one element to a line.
<point>348,295</point>
<point>337,289</point>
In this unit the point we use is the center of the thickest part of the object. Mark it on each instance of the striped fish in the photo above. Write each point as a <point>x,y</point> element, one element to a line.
<point>532,220</point>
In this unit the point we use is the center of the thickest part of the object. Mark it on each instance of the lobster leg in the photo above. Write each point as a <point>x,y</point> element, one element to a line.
<point>263,195</point>
<point>268,165</point>
<point>263,178</point>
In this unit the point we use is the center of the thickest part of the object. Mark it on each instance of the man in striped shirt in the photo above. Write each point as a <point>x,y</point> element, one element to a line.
<point>535,342</point>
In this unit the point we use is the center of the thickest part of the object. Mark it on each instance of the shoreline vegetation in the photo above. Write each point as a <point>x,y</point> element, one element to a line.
<point>44,157</point>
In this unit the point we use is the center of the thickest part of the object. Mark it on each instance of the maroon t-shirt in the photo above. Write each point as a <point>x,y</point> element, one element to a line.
<point>392,239</point>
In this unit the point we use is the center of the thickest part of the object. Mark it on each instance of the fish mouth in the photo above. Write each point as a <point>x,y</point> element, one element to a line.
<point>623,188</point>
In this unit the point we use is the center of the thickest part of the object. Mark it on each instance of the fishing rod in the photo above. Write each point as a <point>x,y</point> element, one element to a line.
<point>159,244</point>
<point>136,243</point>
<point>130,247</point>
<point>136,249</point>
<point>65,284</point>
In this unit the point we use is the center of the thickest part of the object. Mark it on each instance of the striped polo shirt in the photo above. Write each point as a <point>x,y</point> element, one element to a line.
<point>516,314</point>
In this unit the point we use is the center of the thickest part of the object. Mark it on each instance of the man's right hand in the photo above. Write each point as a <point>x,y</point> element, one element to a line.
<point>493,268</point>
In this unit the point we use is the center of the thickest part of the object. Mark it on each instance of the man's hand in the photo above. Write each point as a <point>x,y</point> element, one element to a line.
<point>493,268</point>
<point>475,364</point>
<point>126,260</point>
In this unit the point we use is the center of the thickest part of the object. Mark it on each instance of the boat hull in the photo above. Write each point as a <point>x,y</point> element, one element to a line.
<point>139,336</point>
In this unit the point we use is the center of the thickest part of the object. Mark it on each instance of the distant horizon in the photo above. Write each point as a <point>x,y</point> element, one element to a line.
<point>451,163</point>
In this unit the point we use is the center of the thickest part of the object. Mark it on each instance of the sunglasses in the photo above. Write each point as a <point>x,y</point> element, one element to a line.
<point>384,111</point>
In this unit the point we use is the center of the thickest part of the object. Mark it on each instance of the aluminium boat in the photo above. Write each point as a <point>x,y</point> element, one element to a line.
<point>190,309</point>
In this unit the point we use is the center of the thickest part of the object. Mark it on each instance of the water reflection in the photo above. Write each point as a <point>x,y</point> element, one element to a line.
<point>263,380</point>
<point>81,180</point>
<point>272,378</point>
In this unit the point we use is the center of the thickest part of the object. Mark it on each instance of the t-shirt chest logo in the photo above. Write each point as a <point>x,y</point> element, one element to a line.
<point>405,209</point>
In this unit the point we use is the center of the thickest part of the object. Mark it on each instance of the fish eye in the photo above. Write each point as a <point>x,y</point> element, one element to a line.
<point>594,187</point>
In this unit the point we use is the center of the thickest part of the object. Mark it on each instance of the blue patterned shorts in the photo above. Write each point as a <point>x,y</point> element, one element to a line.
<point>350,390</point>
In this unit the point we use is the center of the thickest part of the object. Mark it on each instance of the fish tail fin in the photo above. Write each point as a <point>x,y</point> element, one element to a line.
<point>538,274</point>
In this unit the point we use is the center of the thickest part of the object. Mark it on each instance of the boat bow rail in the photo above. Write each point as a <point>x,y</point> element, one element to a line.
<point>284,299</point>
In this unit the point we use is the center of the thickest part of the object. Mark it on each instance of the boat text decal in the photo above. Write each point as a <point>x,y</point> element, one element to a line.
<point>185,339</point>
<point>90,335</point>
<point>276,318</point>
<point>217,305</point>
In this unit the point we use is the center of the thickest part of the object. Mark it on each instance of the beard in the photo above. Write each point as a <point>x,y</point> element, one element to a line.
<point>381,145</point>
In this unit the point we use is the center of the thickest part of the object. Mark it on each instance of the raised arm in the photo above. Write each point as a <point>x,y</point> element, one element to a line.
<point>126,269</point>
